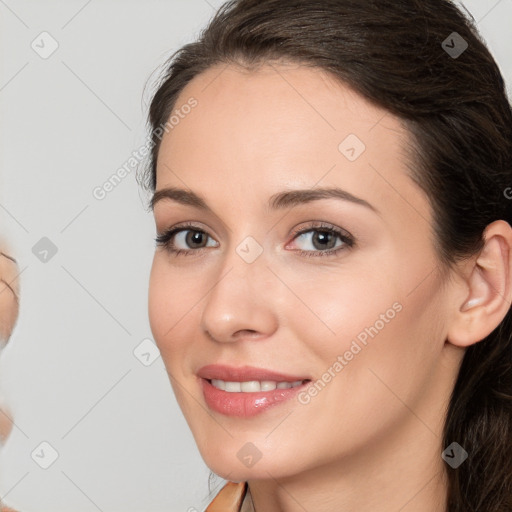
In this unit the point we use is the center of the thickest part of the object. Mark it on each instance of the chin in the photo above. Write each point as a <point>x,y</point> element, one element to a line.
<point>236,464</point>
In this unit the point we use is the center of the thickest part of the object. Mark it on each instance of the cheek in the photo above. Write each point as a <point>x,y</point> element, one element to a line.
<point>166,300</point>
<point>365,325</point>
<point>155,306</point>
<point>390,346</point>
<point>336,306</point>
<point>176,296</point>
<point>170,310</point>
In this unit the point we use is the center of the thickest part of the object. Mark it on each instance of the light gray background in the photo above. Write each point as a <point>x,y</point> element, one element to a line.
<point>69,374</point>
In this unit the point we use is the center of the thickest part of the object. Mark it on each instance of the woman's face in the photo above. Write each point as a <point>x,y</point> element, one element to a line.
<point>358,318</point>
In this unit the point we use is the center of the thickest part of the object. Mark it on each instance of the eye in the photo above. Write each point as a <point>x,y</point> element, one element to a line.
<point>185,239</point>
<point>320,239</point>
<point>323,240</point>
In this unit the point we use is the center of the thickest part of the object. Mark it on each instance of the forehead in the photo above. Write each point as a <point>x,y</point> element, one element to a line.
<point>284,126</point>
<point>277,109</point>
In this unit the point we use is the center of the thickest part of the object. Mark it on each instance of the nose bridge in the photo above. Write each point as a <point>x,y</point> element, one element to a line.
<point>240,298</point>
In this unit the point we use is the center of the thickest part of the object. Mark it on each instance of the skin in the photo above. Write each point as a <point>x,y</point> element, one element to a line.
<point>9,294</point>
<point>9,309</point>
<point>372,437</point>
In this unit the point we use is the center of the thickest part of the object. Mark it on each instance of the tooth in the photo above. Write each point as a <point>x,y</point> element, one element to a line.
<point>220,384</point>
<point>233,387</point>
<point>253,386</point>
<point>250,386</point>
<point>268,385</point>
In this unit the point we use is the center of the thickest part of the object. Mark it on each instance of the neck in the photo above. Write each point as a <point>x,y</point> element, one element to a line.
<point>402,471</point>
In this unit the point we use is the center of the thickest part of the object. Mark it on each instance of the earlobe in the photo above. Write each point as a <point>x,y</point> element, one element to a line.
<point>488,288</point>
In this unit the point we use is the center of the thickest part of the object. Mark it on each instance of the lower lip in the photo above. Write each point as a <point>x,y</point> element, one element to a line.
<point>245,404</point>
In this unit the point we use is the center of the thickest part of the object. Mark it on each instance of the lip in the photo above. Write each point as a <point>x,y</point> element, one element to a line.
<point>241,404</point>
<point>245,373</point>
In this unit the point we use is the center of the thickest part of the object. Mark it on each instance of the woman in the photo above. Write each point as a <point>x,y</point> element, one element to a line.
<point>332,283</point>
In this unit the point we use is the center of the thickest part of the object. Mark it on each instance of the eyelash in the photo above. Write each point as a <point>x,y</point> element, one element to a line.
<point>164,239</point>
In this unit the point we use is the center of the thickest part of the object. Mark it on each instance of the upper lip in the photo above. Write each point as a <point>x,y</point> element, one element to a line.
<point>244,373</point>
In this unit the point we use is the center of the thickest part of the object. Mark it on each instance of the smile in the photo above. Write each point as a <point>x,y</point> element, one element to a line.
<point>253,386</point>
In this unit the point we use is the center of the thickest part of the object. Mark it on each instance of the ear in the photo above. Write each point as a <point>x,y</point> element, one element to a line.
<point>486,298</point>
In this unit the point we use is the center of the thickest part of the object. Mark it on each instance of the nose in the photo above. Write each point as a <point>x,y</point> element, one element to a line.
<point>241,302</point>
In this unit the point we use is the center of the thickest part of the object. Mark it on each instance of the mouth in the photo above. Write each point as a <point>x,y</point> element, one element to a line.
<point>246,391</point>
<point>253,386</point>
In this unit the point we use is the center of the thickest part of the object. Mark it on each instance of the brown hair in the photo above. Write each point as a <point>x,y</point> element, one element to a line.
<point>397,54</point>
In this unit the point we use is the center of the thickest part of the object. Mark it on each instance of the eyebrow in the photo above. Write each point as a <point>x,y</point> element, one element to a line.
<point>279,201</point>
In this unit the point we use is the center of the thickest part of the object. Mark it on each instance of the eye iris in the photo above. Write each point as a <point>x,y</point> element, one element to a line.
<point>194,237</point>
<point>324,237</point>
